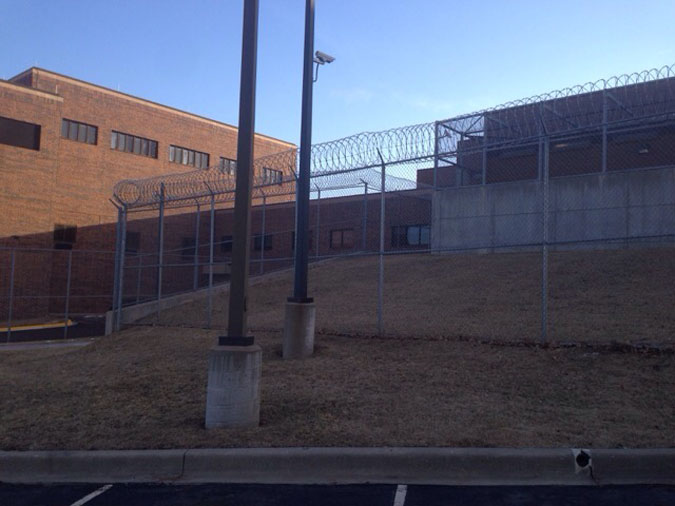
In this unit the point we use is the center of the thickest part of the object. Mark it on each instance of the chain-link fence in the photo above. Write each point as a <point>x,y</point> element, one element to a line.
<point>550,219</point>
<point>54,293</point>
<point>535,253</point>
<point>547,219</point>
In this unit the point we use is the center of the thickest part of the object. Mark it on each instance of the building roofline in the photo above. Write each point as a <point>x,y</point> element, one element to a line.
<point>133,97</point>
<point>28,89</point>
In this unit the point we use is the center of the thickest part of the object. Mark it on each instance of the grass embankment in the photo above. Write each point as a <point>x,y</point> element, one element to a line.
<point>430,382</point>
<point>145,388</point>
<point>624,296</point>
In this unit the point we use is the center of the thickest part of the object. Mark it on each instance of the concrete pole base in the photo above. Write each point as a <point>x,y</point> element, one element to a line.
<point>299,323</point>
<point>233,390</point>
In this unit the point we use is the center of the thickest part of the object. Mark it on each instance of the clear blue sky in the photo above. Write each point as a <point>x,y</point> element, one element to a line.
<point>398,61</point>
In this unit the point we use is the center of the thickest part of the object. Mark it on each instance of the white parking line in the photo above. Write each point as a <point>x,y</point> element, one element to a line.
<point>89,497</point>
<point>399,498</point>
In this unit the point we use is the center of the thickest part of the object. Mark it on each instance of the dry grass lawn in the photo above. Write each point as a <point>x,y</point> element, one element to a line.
<point>440,376</point>
<point>624,296</point>
<point>145,388</point>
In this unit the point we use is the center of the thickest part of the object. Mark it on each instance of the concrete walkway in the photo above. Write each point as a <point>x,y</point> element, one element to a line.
<point>38,345</point>
<point>431,466</point>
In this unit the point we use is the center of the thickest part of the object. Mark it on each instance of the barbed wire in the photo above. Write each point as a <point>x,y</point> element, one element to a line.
<point>629,98</point>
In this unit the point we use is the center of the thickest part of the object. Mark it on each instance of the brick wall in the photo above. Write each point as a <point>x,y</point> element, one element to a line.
<point>70,182</point>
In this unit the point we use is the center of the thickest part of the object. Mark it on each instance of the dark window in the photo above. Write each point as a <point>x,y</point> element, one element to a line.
<point>133,144</point>
<point>310,239</point>
<point>132,244</point>
<point>226,243</point>
<point>64,236</point>
<point>258,242</point>
<point>410,235</point>
<point>342,238</point>
<point>81,132</point>
<point>227,165</point>
<point>77,131</point>
<point>19,133</point>
<point>188,157</point>
<point>272,176</point>
<point>188,248</point>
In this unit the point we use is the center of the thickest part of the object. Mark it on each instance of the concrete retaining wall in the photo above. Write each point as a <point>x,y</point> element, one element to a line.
<point>630,205</point>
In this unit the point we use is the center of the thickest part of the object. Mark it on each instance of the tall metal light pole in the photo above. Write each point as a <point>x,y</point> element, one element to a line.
<point>237,326</point>
<point>298,339</point>
<point>301,246</point>
<point>233,389</point>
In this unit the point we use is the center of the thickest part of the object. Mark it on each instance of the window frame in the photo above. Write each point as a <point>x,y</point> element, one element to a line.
<point>259,242</point>
<point>227,166</point>
<point>126,143</point>
<point>188,157</point>
<point>272,176</point>
<point>332,244</point>
<point>12,139</point>
<point>403,231</point>
<point>78,131</point>
<point>64,236</point>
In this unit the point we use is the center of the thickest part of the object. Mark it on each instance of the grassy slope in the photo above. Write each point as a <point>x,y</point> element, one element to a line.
<point>145,387</point>
<point>618,295</point>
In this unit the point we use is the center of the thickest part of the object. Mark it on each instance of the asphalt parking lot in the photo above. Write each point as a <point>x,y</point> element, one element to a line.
<point>331,495</point>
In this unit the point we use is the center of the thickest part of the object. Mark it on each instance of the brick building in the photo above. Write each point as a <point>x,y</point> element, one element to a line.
<point>64,143</point>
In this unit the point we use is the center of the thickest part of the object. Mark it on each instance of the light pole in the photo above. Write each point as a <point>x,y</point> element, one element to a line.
<point>233,389</point>
<point>298,339</point>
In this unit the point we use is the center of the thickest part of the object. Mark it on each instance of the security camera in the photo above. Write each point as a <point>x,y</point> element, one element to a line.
<point>321,58</point>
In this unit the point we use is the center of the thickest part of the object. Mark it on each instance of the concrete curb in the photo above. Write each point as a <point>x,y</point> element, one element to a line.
<point>433,466</point>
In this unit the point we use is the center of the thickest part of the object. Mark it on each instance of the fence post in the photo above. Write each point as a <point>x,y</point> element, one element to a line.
<point>195,283</point>
<point>116,277</point>
<point>435,178</point>
<point>67,308</point>
<point>120,281</point>
<point>263,239</point>
<point>365,216</point>
<point>212,232</point>
<point>12,260</point>
<point>544,246</point>
<point>484,162</point>
<point>380,279</point>
<point>160,250</point>
<point>318,220</point>
<point>138,277</point>
<point>604,131</point>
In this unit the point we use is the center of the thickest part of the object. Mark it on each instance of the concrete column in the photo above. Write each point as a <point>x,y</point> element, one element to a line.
<point>299,322</point>
<point>233,390</point>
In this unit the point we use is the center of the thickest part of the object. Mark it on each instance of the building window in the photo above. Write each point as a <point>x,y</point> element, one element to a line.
<point>410,235</point>
<point>226,243</point>
<point>342,238</point>
<point>19,133</point>
<point>227,165</point>
<point>187,248</point>
<point>258,242</point>
<point>310,239</point>
<point>64,236</point>
<point>133,144</point>
<point>80,132</point>
<point>186,156</point>
<point>272,176</point>
<point>132,243</point>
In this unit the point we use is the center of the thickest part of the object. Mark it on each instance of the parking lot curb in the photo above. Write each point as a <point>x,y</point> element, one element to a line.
<point>433,466</point>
